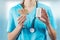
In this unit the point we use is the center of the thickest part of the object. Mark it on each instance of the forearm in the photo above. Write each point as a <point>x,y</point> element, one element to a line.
<point>51,32</point>
<point>13,35</point>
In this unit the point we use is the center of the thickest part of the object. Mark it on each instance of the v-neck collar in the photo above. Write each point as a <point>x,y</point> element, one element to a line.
<point>31,11</point>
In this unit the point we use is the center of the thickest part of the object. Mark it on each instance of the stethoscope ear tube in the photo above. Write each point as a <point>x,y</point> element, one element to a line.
<point>32,29</point>
<point>33,22</point>
<point>34,16</point>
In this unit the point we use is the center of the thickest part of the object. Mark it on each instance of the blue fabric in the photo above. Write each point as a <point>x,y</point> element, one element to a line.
<point>40,27</point>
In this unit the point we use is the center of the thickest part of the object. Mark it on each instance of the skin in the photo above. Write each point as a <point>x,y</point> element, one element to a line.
<point>14,34</point>
<point>51,31</point>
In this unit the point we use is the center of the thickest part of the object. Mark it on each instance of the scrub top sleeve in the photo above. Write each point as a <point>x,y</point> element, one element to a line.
<point>51,19</point>
<point>11,24</point>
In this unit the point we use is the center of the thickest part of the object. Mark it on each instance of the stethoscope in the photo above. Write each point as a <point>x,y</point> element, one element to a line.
<point>32,28</point>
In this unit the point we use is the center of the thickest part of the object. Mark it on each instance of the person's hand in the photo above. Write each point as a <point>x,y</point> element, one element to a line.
<point>44,16</point>
<point>45,19</point>
<point>23,11</point>
<point>21,20</point>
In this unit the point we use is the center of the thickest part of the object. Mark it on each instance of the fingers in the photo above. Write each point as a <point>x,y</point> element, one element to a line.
<point>42,19</point>
<point>44,16</point>
<point>21,19</point>
<point>44,12</point>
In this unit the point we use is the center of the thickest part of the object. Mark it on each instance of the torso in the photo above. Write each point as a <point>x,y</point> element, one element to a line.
<point>25,34</point>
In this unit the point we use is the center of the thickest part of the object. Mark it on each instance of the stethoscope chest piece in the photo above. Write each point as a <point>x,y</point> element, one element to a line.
<point>32,30</point>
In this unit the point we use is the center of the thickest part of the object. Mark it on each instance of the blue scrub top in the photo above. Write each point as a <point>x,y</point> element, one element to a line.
<point>40,27</point>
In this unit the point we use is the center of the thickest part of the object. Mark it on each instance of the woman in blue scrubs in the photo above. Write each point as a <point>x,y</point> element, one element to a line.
<point>24,25</point>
